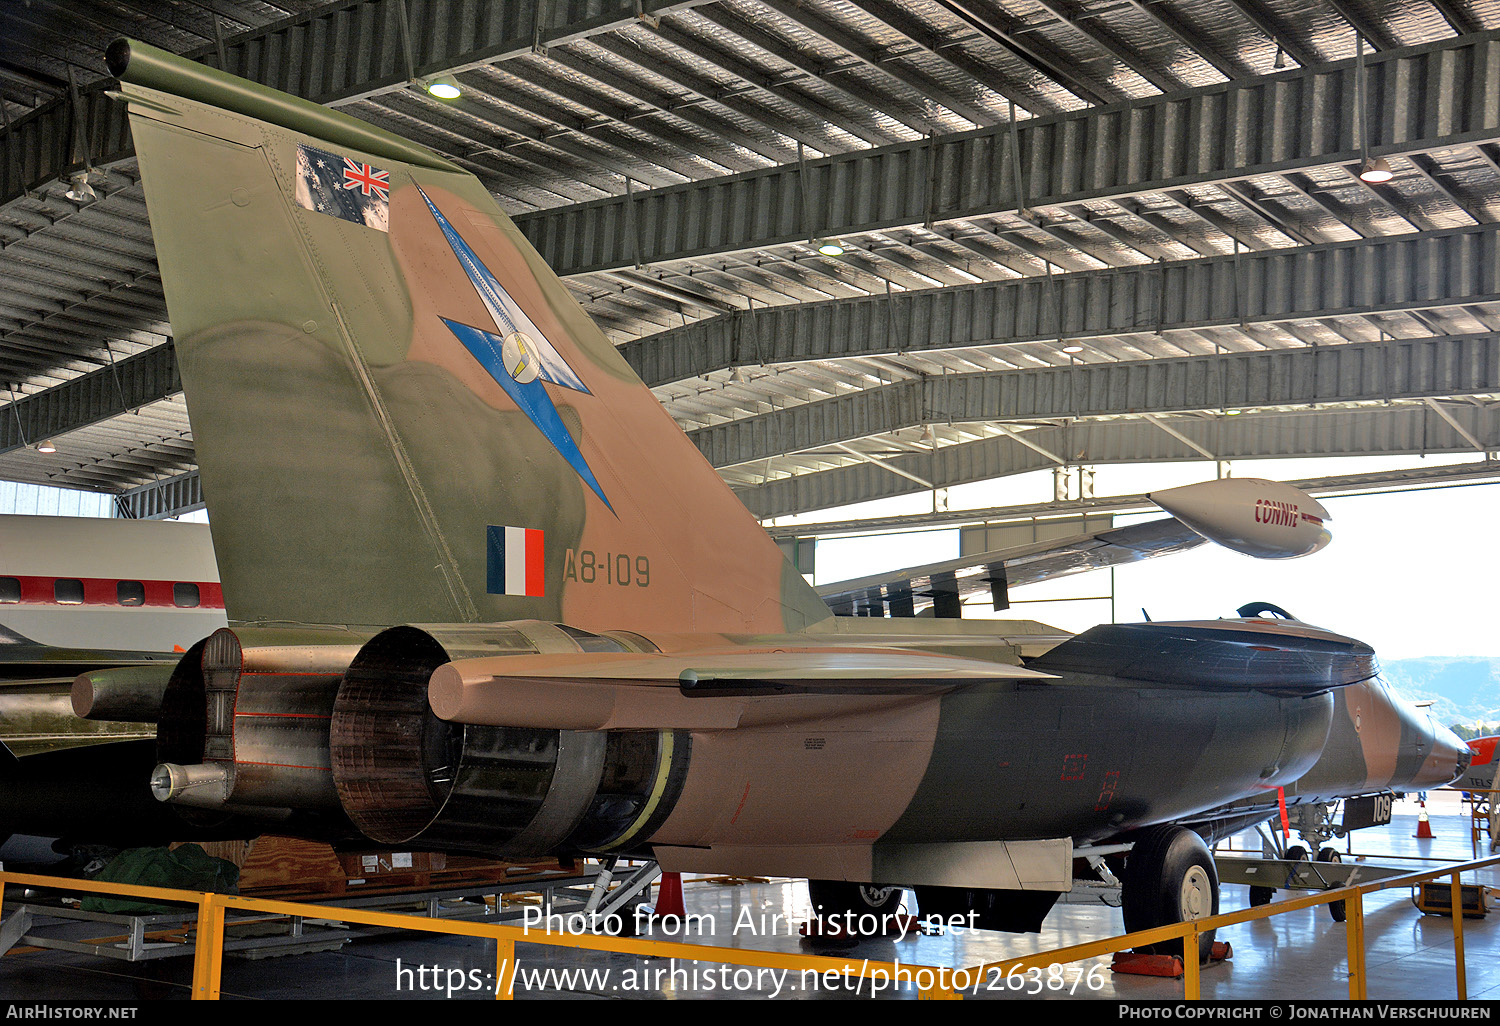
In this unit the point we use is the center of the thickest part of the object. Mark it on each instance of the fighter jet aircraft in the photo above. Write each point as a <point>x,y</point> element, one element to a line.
<point>485,596</point>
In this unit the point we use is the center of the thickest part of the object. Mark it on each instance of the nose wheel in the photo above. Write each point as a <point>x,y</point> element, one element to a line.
<point>1170,878</point>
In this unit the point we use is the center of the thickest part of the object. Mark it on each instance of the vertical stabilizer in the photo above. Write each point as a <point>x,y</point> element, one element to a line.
<point>400,413</point>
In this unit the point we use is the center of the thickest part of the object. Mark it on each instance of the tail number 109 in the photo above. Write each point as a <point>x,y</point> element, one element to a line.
<point>589,567</point>
<point>1371,810</point>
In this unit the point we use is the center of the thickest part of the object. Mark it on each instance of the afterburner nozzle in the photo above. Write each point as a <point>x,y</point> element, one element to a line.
<point>204,785</point>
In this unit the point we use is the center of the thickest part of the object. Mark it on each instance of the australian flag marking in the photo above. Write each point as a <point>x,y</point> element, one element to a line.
<point>349,190</point>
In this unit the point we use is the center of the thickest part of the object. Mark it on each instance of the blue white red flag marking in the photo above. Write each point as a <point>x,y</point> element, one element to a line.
<point>523,382</point>
<point>349,190</point>
<point>515,561</point>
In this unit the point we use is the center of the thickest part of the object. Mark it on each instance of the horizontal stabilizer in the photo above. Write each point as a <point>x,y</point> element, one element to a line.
<point>122,692</point>
<point>699,690</point>
<point>1284,656</point>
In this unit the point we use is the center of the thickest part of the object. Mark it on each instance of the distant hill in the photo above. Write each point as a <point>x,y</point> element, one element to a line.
<point>1463,689</point>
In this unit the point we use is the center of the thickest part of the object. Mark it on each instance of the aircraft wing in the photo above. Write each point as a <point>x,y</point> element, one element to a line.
<point>945,585</point>
<point>1278,656</point>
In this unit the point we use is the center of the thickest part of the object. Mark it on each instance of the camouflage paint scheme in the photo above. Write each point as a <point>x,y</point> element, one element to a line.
<point>376,435</point>
<point>354,455</point>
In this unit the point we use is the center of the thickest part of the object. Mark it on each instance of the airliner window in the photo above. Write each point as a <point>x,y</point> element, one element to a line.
<point>185,595</point>
<point>68,591</point>
<point>10,589</point>
<point>130,593</point>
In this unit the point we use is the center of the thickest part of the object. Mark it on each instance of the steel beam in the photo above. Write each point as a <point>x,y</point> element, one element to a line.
<point>1396,430</point>
<point>169,497</point>
<point>1427,270</point>
<point>334,54</point>
<point>1436,269</point>
<point>1459,365</point>
<point>1409,478</point>
<point>1432,96</point>
<point>108,392</point>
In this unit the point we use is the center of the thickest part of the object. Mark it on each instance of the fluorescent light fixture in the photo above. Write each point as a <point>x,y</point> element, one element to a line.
<point>46,445</point>
<point>79,189</point>
<point>444,87</point>
<point>1376,171</point>
<point>829,247</point>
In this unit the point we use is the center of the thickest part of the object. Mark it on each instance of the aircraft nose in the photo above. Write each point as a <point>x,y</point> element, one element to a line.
<point>1447,744</point>
<point>1465,757</point>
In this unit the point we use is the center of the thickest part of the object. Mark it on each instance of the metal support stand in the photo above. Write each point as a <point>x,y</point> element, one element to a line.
<point>136,937</point>
<point>604,903</point>
<point>13,929</point>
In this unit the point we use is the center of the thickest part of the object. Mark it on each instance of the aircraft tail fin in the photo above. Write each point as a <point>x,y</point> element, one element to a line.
<point>400,413</point>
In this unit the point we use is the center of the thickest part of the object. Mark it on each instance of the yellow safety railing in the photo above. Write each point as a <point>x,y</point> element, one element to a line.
<point>932,982</point>
<point>1189,931</point>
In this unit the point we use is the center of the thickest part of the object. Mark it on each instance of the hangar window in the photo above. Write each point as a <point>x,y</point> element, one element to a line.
<point>130,593</point>
<point>10,589</point>
<point>68,591</point>
<point>185,595</point>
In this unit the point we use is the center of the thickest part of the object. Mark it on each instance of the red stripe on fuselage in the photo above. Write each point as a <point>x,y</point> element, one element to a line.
<point>104,591</point>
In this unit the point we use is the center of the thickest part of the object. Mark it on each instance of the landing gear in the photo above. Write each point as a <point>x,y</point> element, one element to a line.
<point>1337,909</point>
<point>1170,878</point>
<point>1263,895</point>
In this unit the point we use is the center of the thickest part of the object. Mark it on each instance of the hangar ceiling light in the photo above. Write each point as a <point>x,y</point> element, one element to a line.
<point>1376,171</point>
<point>79,189</point>
<point>444,87</point>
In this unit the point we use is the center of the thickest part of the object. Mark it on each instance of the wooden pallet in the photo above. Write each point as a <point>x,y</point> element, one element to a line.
<point>285,867</point>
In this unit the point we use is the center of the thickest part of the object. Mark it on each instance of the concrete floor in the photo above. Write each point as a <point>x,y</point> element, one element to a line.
<point>1299,955</point>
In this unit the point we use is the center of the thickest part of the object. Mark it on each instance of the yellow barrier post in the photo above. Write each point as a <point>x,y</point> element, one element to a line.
<point>944,987</point>
<point>1190,967</point>
<point>1455,891</point>
<point>505,969</point>
<point>1355,933</point>
<point>208,950</point>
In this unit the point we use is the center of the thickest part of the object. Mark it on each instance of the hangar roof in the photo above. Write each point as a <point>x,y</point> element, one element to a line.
<point>1074,231</point>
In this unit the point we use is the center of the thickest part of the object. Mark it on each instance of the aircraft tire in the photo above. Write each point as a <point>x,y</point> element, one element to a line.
<point>1339,910</point>
<point>1170,878</point>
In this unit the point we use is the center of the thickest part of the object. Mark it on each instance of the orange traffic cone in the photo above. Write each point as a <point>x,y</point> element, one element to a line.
<point>669,896</point>
<point>1424,827</point>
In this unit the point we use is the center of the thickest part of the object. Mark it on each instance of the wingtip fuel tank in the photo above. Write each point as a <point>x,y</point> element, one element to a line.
<point>1265,519</point>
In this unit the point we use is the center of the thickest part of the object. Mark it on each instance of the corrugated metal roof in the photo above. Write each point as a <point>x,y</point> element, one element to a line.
<point>705,90</point>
